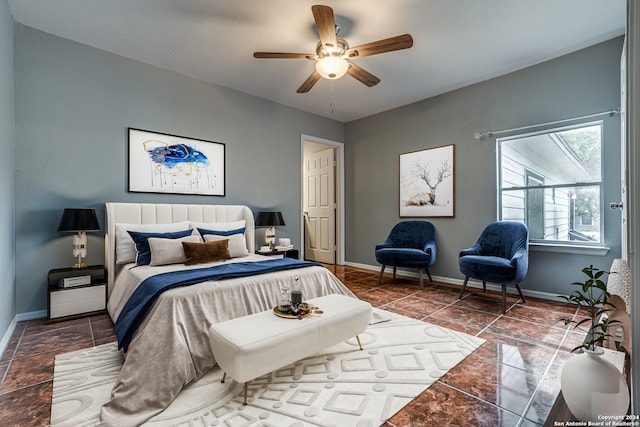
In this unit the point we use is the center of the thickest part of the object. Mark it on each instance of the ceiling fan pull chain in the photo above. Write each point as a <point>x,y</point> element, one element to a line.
<point>333,113</point>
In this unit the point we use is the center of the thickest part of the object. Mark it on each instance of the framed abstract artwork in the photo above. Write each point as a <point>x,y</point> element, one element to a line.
<point>164,163</point>
<point>427,182</point>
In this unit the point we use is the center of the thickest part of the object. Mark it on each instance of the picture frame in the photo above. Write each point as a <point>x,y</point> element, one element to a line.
<point>165,163</point>
<point>427,182</point>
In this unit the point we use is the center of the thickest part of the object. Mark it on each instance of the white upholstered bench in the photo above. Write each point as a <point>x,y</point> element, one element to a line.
<point>251,346</point>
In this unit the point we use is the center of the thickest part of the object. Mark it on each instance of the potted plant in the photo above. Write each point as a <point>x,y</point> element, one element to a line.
<point>591,385</point>
<point>592,295</point>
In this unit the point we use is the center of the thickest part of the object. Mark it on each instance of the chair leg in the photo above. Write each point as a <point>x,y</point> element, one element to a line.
<point>428,274</point>
<point>484,286</point>
<point>421,280</point>
<point>394,272</point>
<point>464,285</point>
<point>520,292</point>
<point>504,298</point>
<point>380,276</point>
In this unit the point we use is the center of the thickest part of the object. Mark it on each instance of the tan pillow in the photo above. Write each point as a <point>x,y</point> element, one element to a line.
<point>198,253</point>
<point>169,251</point>
<point>237,244</point>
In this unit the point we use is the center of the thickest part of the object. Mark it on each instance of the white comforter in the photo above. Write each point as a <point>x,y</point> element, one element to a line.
<point>171,347</point>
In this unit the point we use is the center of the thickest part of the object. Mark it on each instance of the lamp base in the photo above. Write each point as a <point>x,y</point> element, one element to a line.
<point>79,263</point>
<point>270,238</point>
<point>80,249</point>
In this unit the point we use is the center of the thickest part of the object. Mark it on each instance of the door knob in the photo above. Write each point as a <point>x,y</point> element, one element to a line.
<point>615,205</point>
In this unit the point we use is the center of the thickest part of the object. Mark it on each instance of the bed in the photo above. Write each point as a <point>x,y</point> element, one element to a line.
<point>170,346</point>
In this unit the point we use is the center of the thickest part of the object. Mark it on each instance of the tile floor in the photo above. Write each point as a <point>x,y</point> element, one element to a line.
<point>511,380</point>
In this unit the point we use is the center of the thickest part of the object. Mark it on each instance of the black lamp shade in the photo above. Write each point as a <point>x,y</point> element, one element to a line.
<point>269,219</point>
<point>79,219</point>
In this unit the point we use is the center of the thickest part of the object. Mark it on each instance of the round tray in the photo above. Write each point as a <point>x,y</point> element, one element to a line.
<point>279,313</point>
<point>308,311</point>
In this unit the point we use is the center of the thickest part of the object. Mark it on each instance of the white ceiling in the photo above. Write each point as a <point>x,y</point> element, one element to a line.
<point>456,42</point>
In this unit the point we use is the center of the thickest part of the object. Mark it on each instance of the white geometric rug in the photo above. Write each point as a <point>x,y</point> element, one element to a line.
<point>342,386</point>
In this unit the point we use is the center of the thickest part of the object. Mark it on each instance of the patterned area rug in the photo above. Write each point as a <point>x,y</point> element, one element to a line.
<point>342,386</point>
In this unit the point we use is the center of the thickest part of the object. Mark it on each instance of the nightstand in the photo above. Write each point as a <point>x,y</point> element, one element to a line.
<point>291,253</point>
<point>76,292</point>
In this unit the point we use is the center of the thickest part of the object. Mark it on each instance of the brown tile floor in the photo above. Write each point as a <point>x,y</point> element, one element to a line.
<point>511,380</point>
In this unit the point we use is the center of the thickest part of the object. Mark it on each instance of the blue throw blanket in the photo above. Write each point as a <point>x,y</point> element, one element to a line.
<point>148,291</point>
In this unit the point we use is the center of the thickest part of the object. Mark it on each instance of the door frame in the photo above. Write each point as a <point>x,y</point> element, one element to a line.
<point>339,180</point>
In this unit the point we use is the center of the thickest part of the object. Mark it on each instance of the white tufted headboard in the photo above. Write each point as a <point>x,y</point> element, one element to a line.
<point>152,213</point>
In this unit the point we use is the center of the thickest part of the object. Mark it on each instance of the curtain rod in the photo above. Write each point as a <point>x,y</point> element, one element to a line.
<point>491,133</point>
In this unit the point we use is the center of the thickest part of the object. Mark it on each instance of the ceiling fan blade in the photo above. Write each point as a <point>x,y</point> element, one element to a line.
<point>362,75</point>
<point>282,55</point>
<point>404,41</point>
<point>326,25</point>
<point>308,84</point>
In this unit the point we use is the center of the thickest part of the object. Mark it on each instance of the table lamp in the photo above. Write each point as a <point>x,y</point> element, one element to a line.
<point>270,220</point>
<point>79,220</point>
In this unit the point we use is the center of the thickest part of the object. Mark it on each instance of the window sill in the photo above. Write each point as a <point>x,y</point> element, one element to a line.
<point>569,249</point>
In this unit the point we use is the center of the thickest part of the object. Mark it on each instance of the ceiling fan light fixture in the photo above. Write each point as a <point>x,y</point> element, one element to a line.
<point>332,67</point>
<point>333,53</point>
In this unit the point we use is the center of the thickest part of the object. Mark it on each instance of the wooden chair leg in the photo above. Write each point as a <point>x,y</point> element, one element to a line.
<point>484,286</point>
<point>504,298</point>
<point>464,285</point>
<point>520,292</point>
<point>224,375</point>
<point>428,274</point>
<point>394,272</point>
<point>380,276</point>
<point>359,343</point>
<point>421,280</point>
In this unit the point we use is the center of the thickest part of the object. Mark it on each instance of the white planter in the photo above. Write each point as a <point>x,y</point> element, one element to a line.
<point>593,387</point>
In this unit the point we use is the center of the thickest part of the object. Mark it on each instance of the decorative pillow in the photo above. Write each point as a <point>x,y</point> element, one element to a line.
<point>169,251</point>
<point>126,248</point>
<point>141,240</point>
<point>220,226</point>
<point>204,231</point>
<point>237,243</point>
<point>197,253</point>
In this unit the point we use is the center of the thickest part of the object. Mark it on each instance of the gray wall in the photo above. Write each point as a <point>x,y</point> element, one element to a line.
<point>581,83</point>
<point>73,105</point>
<point>7,172</point>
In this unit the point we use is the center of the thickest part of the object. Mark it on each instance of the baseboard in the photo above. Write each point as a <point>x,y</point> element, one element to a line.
<point>21,317</point>
<point>7,336</point>
<point>471,283</point>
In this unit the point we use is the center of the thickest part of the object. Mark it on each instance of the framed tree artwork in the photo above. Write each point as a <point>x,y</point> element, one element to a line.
<point>164,163</point>
<point>427,182</point>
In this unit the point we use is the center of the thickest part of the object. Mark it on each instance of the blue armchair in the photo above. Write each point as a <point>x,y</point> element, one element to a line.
<point>501,255</point>
<point>411,244</point>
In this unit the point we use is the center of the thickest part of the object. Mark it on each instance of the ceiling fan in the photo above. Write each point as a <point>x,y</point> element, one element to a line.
<point>333,53</point>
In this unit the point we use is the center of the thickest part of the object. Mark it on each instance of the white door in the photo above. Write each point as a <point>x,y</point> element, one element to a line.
<point>320,206</point>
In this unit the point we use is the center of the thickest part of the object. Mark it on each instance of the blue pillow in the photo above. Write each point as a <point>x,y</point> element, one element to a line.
<point>141,239</point>
<point>204,231</point>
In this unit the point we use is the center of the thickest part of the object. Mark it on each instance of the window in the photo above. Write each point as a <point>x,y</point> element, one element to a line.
<point>552,182</point>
